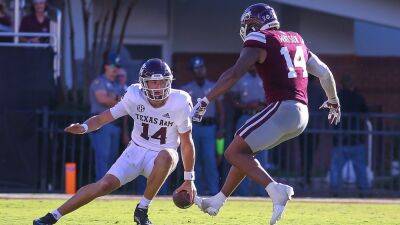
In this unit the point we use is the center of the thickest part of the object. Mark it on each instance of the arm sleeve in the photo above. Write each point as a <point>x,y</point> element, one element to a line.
<point>319,69</point>
<point>184,122</point>
<point>255,40</point>
<point>118,110</point>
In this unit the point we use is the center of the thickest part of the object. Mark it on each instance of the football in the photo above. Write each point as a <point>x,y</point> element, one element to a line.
<point>182,199</point>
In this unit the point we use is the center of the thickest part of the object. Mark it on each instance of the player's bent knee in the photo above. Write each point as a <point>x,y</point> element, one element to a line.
<point>228,155</point>
<point>108,184</point>
<point>165,159</point>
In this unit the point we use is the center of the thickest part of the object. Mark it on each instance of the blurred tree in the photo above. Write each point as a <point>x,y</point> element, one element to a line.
<point>99,24</point>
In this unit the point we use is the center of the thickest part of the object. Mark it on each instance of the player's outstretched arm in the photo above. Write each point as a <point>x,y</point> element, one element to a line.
<point>93,123</point>
<point>248,57</point>
<point>319,69</point>
<point>188,158</point>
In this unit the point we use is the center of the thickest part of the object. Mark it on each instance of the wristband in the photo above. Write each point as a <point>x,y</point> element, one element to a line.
<point>205,99</point>
<point>188,175</point>
<point>85,126</point>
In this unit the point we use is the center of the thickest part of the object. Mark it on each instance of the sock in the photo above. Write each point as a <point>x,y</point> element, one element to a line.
<point>144,203</point>
<point>220,197</point>
<point>56,214</point>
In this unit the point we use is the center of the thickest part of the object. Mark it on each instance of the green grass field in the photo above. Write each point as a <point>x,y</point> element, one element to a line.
<point>163,212</point>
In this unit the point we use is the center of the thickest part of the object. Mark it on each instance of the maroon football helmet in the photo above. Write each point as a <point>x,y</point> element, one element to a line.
<point>257,17</point>
<point>155,69</point>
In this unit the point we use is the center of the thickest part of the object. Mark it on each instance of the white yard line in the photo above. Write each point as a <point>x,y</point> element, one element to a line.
<point>136,197</point>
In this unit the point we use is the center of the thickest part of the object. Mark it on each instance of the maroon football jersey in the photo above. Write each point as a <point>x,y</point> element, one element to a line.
<point>283,72</point>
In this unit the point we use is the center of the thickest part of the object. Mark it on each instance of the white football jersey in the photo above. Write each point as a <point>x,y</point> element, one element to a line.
<point>156,128</point>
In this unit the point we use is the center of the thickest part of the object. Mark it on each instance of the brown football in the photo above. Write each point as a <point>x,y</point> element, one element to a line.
<point>182,199</point>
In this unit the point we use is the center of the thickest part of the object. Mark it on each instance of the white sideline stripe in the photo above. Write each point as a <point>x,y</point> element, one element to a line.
<point>256,122</point>
<point>137,197</point>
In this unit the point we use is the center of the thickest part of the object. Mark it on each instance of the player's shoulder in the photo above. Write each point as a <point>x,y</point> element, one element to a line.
<point>179,96</point>
<point>133,90</point>
<point>296,34</point>
<point>257,36</point>
<point>134,87</point>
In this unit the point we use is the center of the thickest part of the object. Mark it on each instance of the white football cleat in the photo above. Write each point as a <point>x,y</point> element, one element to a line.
<point>210,205</point>
<point>280,195</point>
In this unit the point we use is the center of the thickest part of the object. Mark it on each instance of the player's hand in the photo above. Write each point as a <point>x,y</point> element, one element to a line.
<point>188,186</point>
<point>75,128</point>
<point>199,109</point>
<point>334,111</point>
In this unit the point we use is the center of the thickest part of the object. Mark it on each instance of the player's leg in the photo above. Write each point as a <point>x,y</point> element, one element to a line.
<point>157,169</point>
<point>239,152</point>
<point>234,178</point>
<point>265,130</point>
<point>84,195</point>
<point>164,164</point>
<point>243,188</point>
<point>245,159</point>
<point>119,174</point>
<point>89,192</point>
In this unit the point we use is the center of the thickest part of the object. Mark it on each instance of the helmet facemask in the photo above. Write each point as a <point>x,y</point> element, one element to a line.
<point>246,28</point>
<point>156,94</point>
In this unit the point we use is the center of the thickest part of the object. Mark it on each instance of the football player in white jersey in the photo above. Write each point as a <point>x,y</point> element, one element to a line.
<point>162,123</point>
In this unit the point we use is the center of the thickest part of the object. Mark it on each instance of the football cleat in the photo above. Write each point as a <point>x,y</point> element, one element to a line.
<point>48,219</point>
<point>210,205</point>
<point>140,216</point>
<point>280,195</point>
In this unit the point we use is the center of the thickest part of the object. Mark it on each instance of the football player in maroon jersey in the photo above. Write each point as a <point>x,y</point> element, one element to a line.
<point>283,62</point>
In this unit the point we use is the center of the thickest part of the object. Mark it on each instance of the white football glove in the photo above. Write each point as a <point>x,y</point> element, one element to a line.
<point>199,109</point>
<point>334,111</point>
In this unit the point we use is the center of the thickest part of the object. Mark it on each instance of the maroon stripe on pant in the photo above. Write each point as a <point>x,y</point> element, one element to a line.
<point>252,120</point>
<point>257,125</point>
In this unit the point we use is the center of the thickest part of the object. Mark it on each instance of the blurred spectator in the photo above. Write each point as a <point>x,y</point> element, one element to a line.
<point>350,147</point>
<point>105,92</point>
<point>36,22</point>
<point>122,79</point>
<point>309,141</point>
<point>5,23</point>
<point>205,132</point>
<point>248,100</point>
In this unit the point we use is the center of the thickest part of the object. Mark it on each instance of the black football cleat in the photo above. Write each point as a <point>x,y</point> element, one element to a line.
<point>140,216</point>
<point>48,219</point>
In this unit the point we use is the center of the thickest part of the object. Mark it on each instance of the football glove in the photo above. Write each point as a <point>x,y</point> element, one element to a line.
<point>199,109</point>
<point>334,111</point>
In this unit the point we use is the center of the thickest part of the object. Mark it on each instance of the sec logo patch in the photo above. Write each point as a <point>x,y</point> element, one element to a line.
<point>140,108</point>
